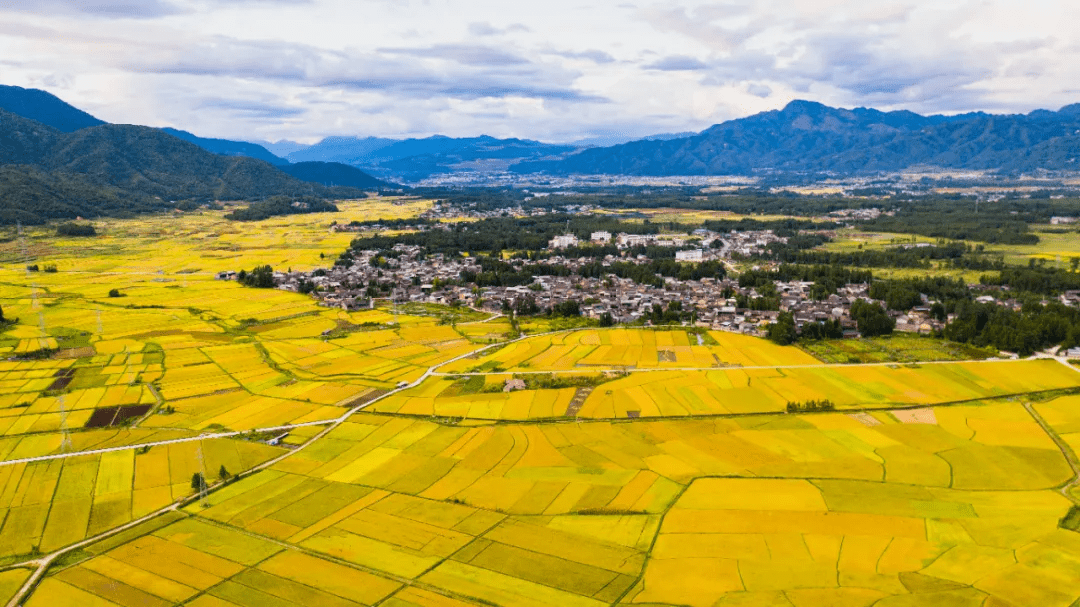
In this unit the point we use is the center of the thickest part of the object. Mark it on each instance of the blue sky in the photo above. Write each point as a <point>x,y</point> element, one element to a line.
<point>551,70</point>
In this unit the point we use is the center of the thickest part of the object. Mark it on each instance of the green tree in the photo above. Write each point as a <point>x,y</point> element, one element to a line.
<point>261,277</point>
<point>198,482</point>
<point>782,331</point>
<point>223,474</point>
<point>871,319</point>
<point>114,292</point>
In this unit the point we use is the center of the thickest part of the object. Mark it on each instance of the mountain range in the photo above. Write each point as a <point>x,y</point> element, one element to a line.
<point>807,137</point>
<point>60,147</point>
<point>417,159</point>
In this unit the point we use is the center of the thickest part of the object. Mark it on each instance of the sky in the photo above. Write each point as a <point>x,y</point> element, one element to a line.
<point>553,70</point>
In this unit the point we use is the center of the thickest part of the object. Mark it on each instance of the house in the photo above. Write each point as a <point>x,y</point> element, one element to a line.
<point>600,237</point>
<point>514,384</point>
<point>564,241</point>
<point>691,255</point>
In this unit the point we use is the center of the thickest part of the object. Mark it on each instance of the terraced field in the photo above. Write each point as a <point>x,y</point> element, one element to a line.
<point>637,467</point>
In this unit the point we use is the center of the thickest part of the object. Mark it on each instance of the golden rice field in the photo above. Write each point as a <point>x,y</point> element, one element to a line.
<point>633,349</point>
<point>736,391</point>
<point>50,504</point>
<point>668,475</point>
<point>952,506</point>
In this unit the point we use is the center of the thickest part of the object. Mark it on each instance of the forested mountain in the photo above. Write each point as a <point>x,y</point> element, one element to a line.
<point>334,174</point>
<point>107,169</point>
<point>810,137</point>
<point>44,108</point>
<point>229,148</point>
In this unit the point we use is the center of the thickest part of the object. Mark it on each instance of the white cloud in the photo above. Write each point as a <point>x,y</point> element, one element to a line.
<point>557,70</point>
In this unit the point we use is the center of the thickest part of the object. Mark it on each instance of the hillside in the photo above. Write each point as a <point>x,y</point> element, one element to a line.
<point>334,174</point>
<point>226,147</point>
<point>45,108</point>
<point>137,168</point>
<point>810,137</point>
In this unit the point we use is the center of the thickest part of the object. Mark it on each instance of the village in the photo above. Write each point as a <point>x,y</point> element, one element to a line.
<point>407,276</point>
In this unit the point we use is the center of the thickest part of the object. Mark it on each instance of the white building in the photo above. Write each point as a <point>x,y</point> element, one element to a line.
<point>564,241</point>
<point>1057,221</point>
<point>602,237</point>
<point>634,240</point>
<point>691,255</point>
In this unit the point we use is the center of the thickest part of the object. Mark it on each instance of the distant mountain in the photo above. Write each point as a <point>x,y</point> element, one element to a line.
<point>346,150</point>
<point>334,174</point>
<point>810,137</point>
<point>51,174</point>
<point>45,108</point>
<point>229,148</point>
<point>415,159</point>
<point>282,148</point>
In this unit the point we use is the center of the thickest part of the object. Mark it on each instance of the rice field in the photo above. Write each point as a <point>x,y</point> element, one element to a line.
<point>50,504</point>
<point>654,467</point>
<point>947,505</point>
<point>735,391</point>
<point>602,349</point>
<point>182,352</point>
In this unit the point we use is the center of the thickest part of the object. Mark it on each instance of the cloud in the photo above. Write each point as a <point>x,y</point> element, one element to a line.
<point>251,109</point>
<point>596,56</point>
<point>758,89</point>
<point>124,9</point>
<point>483,28</point>
<point>449,70</point>
<point>677,63</point>
<point>467,54</point>
<point>556,70</point>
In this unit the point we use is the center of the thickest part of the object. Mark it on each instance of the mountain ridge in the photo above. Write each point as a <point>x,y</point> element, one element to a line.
<point>810,137</point>
<point>110,169</point>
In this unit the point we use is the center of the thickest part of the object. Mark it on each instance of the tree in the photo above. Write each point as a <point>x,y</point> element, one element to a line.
<point>938,311</point>
<point>607,320</point>
<point>566,309</point>
<point>198,482</point>
<point>75,230</point>
<point>871,319</point>
<point>114,292</point>
<point>223,474</point>
<point>1074,263</point>
<point>2,314</point>
<point>261,277</point>
<point>782,332</point>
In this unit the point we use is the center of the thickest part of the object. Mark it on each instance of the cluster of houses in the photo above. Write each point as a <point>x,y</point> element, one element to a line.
<point>712,302</point>
<point>700,245</point>
<point>445,210</point>
<point>858,214</point>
